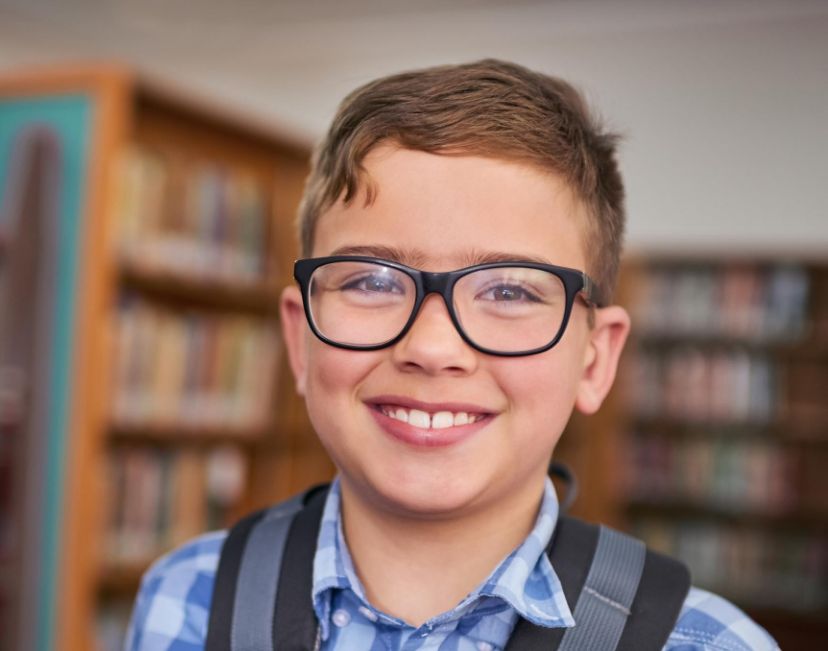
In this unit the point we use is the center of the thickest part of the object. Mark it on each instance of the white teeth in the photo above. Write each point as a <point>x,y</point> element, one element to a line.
<point>424,420</point>
<point>442,419</point>
<point>419,419</point>
<point>401,414</point>
<point>461,418</point>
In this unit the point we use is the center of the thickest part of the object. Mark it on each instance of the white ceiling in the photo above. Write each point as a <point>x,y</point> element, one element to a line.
<point>722,102</point>
<point>290,61</point>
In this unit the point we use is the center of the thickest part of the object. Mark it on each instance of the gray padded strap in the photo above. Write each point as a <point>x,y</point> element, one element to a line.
<point>605,600</point>
<point>259,578</point>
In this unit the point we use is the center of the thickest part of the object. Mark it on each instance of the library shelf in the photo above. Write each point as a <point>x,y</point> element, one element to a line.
<point>256,297</point>
<point>816,350</point>
<point>172,434</point>
<point>723,427</point>
<point>795,520</point>
<point>793,630</point>
<point>799,433</point>
<point>178,237</point>
<point>121,579</point>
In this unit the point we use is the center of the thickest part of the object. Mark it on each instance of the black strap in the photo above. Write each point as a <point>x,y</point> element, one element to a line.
<point>570,551</point>
<point>661,592</point>
<point>570,492</point>
<point>664,585</point>
<point>220,624</point>
<point>294,621</point>
<point>605,603</point>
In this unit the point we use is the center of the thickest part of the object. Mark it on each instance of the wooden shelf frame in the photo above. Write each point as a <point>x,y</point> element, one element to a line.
<point>217,294</point>
<point>129,108</point>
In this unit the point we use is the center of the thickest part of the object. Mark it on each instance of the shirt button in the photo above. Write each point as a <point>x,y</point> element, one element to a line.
<point>341,618</point>
<point>484,646</point>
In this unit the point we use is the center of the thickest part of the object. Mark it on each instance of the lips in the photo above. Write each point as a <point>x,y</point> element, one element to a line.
<point>427,424</point>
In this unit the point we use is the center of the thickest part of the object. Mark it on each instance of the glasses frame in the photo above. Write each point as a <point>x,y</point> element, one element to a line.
<point>576,283</point>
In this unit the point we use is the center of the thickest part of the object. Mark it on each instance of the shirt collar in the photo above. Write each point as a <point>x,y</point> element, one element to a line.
<point>525,579</point>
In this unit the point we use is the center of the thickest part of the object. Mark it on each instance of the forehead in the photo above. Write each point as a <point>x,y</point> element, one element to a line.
<point>448,211</point>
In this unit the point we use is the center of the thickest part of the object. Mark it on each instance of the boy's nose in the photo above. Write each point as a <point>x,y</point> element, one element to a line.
<point>433,344</point>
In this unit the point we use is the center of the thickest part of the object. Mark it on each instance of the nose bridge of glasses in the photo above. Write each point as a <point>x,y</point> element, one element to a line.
<point>438,283</point>
<point>435,282</point>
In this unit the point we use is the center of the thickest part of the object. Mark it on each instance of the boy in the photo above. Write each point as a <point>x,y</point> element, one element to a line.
<point>441,413</point>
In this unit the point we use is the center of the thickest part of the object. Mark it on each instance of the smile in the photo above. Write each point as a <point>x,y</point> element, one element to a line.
<point>426,420</point>
<point>428,424</point>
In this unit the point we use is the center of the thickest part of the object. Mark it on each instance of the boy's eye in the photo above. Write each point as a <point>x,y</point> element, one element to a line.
<point>509,293</point>
<point>378,283</point>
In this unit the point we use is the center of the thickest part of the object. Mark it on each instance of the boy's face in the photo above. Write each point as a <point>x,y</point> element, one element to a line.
<point>439,213</point>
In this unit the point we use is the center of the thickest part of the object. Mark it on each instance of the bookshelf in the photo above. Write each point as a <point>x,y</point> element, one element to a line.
<point>155,231</point>
<point>725,437</point>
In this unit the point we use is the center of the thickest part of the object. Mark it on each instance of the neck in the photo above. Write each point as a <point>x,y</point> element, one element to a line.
<point>415,568</point>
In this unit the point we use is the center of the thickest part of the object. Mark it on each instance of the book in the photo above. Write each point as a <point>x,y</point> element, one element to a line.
<point>190,369</point>
<point>191,217</point>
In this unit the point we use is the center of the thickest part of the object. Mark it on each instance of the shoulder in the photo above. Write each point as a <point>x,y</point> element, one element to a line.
<point>173,603</point>
<point>710,623</point>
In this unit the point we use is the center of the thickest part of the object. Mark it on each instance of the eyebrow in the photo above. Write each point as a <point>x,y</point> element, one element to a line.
<point>410,257</point>
<point>417,258</point>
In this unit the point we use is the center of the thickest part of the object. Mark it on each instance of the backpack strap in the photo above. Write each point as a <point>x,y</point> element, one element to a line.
<point>627,598</point>
<point>220,623</point>
<point>664,585</point>
<point>294,621</point>
<point>265,555</point>
<point>607,595</point>
<point>570,552</point>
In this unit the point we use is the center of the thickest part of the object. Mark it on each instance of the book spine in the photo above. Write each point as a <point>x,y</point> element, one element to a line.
<point>191,217</point>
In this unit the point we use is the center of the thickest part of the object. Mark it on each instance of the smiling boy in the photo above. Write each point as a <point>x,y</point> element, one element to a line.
<point>441,396</point>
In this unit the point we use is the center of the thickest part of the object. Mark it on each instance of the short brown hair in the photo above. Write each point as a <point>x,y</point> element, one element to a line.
<point>487,108</point>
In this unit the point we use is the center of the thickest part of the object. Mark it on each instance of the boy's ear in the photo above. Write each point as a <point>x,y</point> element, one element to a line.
<point>606,341</point>
<point>294,330</point>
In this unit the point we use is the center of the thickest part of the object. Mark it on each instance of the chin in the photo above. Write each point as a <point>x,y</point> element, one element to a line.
<point>418,495</point>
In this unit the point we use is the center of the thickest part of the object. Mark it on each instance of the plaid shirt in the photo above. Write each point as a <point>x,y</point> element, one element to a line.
<point>173,605</point>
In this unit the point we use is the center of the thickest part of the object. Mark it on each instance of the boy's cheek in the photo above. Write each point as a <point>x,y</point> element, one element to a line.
<point>332,376</point>
<point>543,387</point>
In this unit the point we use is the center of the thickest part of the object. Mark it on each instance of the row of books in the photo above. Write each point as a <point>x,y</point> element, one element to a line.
<point>698,384</point>
<point>161,497</point>
<point>760,303</point>
<point>757,568</point>
<point>191,217</point>
<point>729,475</point>
<point>186,368</point>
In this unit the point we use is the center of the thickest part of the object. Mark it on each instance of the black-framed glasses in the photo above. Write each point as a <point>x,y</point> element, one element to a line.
<point>500,308</point>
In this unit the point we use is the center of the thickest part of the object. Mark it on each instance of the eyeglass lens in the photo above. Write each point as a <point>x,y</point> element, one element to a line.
<point>504,309</point>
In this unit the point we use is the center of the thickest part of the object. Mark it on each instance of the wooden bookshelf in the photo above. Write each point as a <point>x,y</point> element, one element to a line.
<point>183,222</point>
<point>179,289</point>
<point>124,434</point>
<point>725,430</point>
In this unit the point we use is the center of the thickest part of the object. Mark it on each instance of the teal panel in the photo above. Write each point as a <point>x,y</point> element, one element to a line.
<point>69,117</point>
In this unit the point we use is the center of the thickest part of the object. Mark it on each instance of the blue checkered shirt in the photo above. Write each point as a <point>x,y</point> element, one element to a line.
<point>173,604</point>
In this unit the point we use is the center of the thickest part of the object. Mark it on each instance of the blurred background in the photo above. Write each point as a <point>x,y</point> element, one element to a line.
<point>152,156</point>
